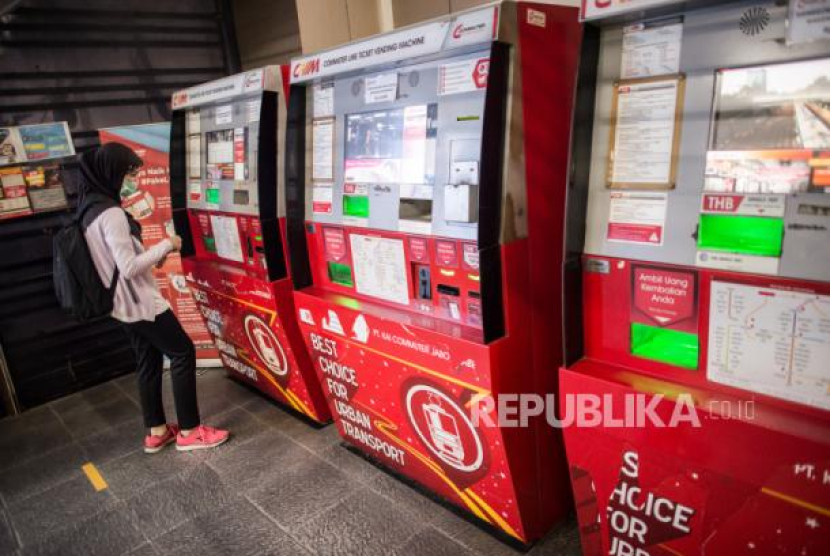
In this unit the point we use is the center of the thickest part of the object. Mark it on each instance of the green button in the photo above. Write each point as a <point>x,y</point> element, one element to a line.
<point>212,196</point>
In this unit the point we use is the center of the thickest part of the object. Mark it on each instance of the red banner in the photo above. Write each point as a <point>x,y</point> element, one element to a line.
<point>148,200</point>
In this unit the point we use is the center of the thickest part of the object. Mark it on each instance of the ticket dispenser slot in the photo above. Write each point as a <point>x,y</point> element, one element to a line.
<point>450,299</point>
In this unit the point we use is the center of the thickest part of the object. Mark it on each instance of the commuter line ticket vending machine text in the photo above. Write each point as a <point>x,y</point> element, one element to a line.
<point>426,175</point>
<point>225,176</point>
<point>705,277</point>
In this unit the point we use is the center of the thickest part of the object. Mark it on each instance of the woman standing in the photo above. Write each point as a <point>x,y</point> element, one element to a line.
<point>114,240</point>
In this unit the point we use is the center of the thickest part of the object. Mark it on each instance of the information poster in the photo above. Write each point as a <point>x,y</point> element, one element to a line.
<point>45,186</point>
<point>645,133</point>
<point>651,49</point>
<point>380,268</point>
<point>13,199</point>
<point>148,199</point>
<point>11,150</point>
<point>43,141</point>
<point>771,341</point>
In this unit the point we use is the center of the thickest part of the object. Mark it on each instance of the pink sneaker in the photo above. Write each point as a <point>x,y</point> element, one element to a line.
<point>153,443</point>
<point>200,438</point>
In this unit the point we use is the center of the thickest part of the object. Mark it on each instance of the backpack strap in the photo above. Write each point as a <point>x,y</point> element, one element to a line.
<point>114,282</point>
<point>86,210</point>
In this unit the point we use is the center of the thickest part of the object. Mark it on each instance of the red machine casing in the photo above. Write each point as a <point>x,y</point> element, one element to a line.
<point>251,317</point>
<point>400,382</point>
<point>252,322</point>
<point>753,478</point>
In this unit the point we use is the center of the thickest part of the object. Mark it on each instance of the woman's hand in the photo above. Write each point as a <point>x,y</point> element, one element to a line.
<point>177,242</point>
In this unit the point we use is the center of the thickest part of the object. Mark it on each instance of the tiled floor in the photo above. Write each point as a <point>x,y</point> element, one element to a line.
<point>278,487</point>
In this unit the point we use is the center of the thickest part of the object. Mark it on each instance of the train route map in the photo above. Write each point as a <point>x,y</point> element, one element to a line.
<point>771,341</point>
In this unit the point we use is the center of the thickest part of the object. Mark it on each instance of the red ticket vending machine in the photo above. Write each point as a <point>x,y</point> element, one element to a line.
<point>426,176</point>
<point>699,236</point>
<point>225,178</point>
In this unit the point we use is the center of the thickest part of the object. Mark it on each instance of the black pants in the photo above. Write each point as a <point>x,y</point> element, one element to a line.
<point>151,340</point>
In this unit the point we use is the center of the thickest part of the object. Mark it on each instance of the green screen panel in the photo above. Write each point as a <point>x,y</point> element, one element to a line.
<point>667,346</point>
<point>748,235</point>
<point>340,274</point>
<point>212,196</point>
<point>356,205</point>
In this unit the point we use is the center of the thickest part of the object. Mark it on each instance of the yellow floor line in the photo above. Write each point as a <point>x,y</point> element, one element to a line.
<point>94,476</point>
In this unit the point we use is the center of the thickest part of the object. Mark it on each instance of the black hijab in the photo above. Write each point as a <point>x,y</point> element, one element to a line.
<point>102,175</point>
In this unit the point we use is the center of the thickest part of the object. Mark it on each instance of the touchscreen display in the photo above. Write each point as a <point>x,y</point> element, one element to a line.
<point>391,146</point>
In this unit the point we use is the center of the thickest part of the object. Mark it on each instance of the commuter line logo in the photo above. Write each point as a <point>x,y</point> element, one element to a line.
<point>266,345</point>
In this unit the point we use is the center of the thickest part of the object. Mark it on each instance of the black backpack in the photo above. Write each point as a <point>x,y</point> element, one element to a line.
<point>78,287</point>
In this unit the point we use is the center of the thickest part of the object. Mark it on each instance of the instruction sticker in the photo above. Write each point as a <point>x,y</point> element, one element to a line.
<point>382,87</point>
<point>224,114</point>
<point>322,155</point>
<point>324,100</point>
<point>637,217</point>
<point>463,77</point>
<point>651,49</point>
<point>322,195</point>
<point>380,268</point>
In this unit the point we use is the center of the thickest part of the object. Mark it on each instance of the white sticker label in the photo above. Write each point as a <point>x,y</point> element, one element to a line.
<point>737,262</point>
<point>537,18</point>
<point>224,114</point>
<point>382,87</point>
<point>254,108</point>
